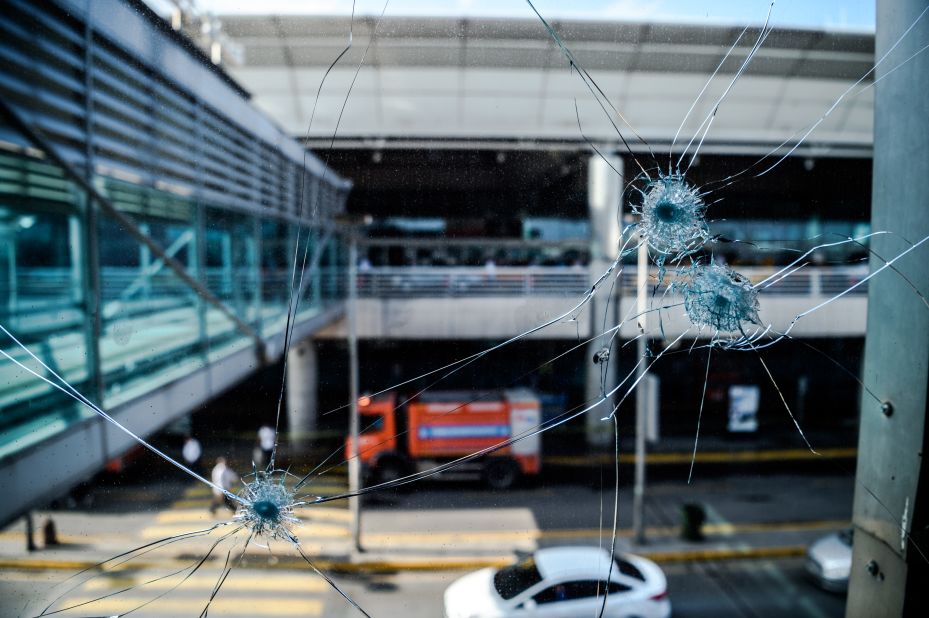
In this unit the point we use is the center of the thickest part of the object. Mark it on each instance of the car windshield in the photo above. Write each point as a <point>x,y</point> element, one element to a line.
<point>510,581</point>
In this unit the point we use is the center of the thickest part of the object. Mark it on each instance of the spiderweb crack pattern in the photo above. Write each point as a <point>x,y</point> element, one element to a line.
<point>267,506</point>
<point>672,218</point>
<point>718,297</point>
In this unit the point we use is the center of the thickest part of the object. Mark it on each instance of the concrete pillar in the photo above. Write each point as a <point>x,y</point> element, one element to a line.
<point>302,404</point>
<point>891,513</point>
<point>604,200</point>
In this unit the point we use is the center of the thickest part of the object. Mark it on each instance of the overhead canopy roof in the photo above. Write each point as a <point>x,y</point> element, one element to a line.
<point>506,84</point>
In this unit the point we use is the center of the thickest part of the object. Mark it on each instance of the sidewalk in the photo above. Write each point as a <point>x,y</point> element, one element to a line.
<point>490,538</point>
<point>453,526</point>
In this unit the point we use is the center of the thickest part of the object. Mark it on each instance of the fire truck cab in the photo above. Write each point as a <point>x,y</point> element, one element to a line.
<point>399,438</point>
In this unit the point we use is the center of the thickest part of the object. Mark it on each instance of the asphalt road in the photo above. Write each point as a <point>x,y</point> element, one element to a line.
<point>459,515</point>
<point>731,589</point>
<point>737,498</point>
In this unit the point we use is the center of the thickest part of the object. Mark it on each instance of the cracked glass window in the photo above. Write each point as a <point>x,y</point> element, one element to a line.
<point>400,308</point>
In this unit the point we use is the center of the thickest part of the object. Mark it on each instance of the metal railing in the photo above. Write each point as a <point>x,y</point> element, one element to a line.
<point>463,281</point>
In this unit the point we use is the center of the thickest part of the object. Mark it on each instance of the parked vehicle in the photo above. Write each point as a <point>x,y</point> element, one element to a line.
<point>829,560</point>
<point>562,582</point>
<point>399,438</point>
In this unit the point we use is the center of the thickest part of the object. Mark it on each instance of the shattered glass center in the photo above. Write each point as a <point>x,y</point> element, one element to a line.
<point>718,297</point>
<point>268,508</point>
<point>673,217</point>
<point>666,212</point>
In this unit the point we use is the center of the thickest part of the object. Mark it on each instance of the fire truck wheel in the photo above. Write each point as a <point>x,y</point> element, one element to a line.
<point>501,473</point>
<point>390,469</point>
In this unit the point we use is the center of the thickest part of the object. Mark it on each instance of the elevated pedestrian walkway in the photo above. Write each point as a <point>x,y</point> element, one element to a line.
<point>149,219</point>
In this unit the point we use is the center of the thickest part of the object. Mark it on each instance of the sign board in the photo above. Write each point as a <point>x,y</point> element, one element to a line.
<point>743,408</point>
<point>652,408</point>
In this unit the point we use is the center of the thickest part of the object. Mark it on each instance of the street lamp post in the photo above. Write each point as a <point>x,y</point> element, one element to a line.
<point>354,463</point>
<point>641,398</point>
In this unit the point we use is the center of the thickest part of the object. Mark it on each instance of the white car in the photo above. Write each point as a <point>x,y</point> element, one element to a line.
<point>829,560</point>
<point>562,582</point>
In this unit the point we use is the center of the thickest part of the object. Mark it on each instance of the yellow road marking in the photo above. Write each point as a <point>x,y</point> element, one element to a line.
<point>712,457</point>
<point>729,529</point>
<point>202,491</point>
<point>391,538</point>
<point>237,581</point>
<point>791,551</point>
<point>449,563</point>
<point>44,564</point>
<point>251,606</point>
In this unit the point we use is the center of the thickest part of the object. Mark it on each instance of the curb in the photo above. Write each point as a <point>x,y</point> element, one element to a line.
<point>661,557</point>
<point>708,555</point>
<point>46,565</point>
<point>450,563</point>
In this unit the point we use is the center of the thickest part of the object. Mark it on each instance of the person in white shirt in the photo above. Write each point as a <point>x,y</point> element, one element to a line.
<point>191,452</point>
<point>266,437</point>
<point>223,478</point>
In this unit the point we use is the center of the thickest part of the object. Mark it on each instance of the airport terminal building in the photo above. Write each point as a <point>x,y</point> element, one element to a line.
<point>486,184</point>
<point>492,182</point>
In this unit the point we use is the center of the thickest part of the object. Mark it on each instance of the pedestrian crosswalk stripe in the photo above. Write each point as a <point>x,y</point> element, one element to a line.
<point>320,489</point>
<point>307,530</point>
<point>323,513</point>
<point>186,504</point>
<point>307,521</point>
<point>193,503</point>
<point>324,489</point>
<point>236,581</point>
<point>185,515</point>
<point>303,513</point>
<point>237,606</point>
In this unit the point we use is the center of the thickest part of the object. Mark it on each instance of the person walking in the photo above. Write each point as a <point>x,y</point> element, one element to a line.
<point>192,452</point>
<point>266,437</point>
<point>223,478</point>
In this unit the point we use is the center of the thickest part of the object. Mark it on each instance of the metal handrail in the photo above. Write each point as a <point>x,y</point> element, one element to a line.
<point>462,281</point>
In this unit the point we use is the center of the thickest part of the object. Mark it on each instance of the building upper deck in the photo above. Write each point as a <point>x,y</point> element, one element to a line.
<point>464,82</point>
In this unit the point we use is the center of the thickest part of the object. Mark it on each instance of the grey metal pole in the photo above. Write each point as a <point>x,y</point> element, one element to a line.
<point>30,532</point>
<point>891,511</point>
<point>641,397</point>
<point>93,299</point>
<point>354,463</point>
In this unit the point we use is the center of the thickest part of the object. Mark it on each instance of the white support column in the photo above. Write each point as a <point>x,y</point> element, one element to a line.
<point>604,199</point>
<point>302,380</point>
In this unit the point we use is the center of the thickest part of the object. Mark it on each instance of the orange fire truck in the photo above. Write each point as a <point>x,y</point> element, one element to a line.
<point>399,438</point>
